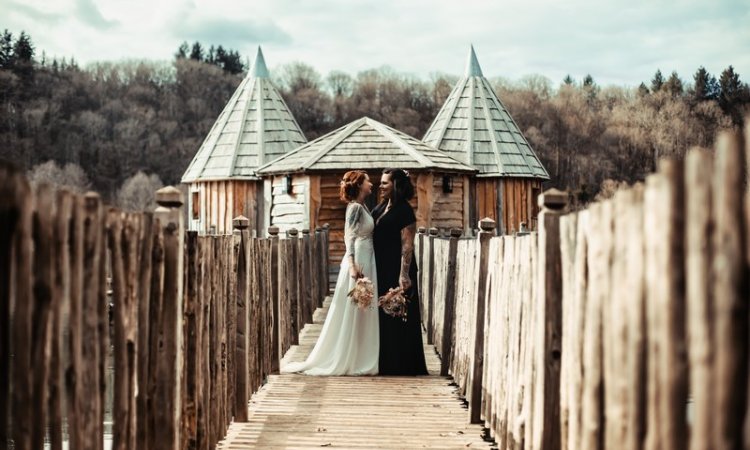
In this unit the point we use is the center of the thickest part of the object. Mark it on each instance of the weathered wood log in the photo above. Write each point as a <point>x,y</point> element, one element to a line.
<point>145,260</point>
<point>191,338</point>
<point>428,302</point>
<point>121,238</point>
<point>167,418</point>
<point>242,392</point>
<point>91,356</point>
<point>474,395</point>
<point>599,256</point>
<point>548,335</point>
<point>21,414</point>
<point>273,299</point>
<point>305,282</point>
<point>60,301</point>
<point>9,215</point>
<point>292,271</point>
<point>73,375</point>
<point>633,309</point>
<point>699,293</point>
<point>730,288</point>
<point>449,304</point>
<point>43,221</point>
<point>568,231</point>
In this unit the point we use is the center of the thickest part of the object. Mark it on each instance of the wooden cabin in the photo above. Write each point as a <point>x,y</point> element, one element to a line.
<point>302,187</point>
<point>474,127</point>
<point>254,128</point>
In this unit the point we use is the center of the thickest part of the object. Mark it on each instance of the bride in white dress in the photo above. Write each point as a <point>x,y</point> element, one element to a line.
<point>349,343</point>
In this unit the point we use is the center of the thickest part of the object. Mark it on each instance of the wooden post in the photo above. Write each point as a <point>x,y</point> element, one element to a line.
<point>699,293</point>
<point>327,255</point>
<point>314,270</point>
<point>91,406</point>
<point>168,370</point>
<point>322,270</point>
<point>548,336</point>
<point>419,255</point>
<point>192,385</point>
<point>273,271</point>
<point>294,291</point>
<point>429,300</point>
<point>9,212</point>
<point>665,300</point>
<point>487,230</point>
<point>122,237</point>
<point>242,394</point>
<point>730,280</point>
<point>145,258</point>
<point>60,299</point>
<point>305,279</point>
<point>449,303</point>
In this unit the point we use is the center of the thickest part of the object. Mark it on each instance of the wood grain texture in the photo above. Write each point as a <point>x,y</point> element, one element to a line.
<point>297,411</point>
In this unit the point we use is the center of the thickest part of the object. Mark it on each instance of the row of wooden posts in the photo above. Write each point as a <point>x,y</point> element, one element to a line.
<point>194,326</point>
<point>622,326</point>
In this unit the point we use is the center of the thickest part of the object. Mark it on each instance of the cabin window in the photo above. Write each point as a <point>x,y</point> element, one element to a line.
<point>535,192</point>
<point>447,184</point>
<point>286,184</point>
<point>196,203</point>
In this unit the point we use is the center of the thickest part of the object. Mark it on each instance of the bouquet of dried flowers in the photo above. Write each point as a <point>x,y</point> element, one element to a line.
<point>394,303</point>
<point>362,293</point>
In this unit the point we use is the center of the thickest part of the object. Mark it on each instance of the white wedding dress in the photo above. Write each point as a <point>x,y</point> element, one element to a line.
<point>349,343</point>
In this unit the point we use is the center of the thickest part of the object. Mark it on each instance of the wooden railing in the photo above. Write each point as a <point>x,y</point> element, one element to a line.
<point>622,326</point>
<point>194,326</point>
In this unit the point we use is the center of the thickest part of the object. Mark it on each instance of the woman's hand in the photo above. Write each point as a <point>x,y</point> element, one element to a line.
<point>355,271</point>
<point>404,282</point>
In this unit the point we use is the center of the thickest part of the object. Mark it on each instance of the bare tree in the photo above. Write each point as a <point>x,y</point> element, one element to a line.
<point>71,176</point>
<point>137,192</point>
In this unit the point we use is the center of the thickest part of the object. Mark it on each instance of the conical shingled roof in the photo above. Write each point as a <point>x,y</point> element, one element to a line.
<point>474,127</point>
<point>364,144</point>
<point>254,128</point>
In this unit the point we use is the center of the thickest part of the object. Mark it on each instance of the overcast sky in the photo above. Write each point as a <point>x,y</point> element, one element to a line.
<point>617,41</point>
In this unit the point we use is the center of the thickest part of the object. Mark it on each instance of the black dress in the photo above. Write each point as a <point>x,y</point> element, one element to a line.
<point>401,350</point>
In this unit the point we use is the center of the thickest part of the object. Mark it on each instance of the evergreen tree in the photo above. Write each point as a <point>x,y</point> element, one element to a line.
<point>700,88</point>
<point>196,53</point>
<point>588,80</point>
<point>643,90</point>
<point>23,60</point>
<point>211,57</point>
<point>657,82</point>
<point>674,85</point>
<point>6,50</point>
<point>182,51</point>
<point>233,63</point>
<point>734,94</point>
<point>568,80</point>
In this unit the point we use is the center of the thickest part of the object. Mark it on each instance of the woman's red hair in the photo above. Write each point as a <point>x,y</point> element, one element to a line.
<point>351,184</point>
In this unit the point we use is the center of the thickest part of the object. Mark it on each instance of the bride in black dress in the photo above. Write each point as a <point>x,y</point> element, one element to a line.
<point>401,351</point>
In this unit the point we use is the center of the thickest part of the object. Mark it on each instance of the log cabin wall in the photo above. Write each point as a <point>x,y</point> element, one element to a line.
<point>213,204</point>
<point>516,202</point>
<point>288,210</point>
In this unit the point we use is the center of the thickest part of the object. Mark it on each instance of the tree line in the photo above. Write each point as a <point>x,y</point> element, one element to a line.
<point>114,120</point>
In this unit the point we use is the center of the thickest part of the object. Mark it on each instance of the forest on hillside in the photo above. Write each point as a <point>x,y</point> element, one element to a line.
<point>125,128</point>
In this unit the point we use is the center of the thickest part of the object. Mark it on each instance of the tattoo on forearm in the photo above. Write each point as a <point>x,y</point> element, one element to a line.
<point>407,248</point>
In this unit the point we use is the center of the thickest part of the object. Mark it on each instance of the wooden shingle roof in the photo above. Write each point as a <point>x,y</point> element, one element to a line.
<point>474,127</point>
<point>254,128</point>
<point>364,144</point>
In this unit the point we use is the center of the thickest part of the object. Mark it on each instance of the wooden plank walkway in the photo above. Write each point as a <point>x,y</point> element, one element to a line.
<point>302,412</point>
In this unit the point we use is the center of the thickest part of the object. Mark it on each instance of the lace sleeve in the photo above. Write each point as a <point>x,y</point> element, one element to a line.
<point>351,227</point>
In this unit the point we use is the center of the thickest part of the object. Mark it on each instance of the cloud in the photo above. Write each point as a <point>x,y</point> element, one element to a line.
<point>89,14</point>
<point>35,14</point>
<point>231,32</point>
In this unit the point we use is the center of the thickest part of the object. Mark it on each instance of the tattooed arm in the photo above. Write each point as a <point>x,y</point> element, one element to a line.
<point>353,217</point>
<point>407,254</point>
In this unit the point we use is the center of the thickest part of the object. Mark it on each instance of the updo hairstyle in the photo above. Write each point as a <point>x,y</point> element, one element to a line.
<point>351,184</point>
